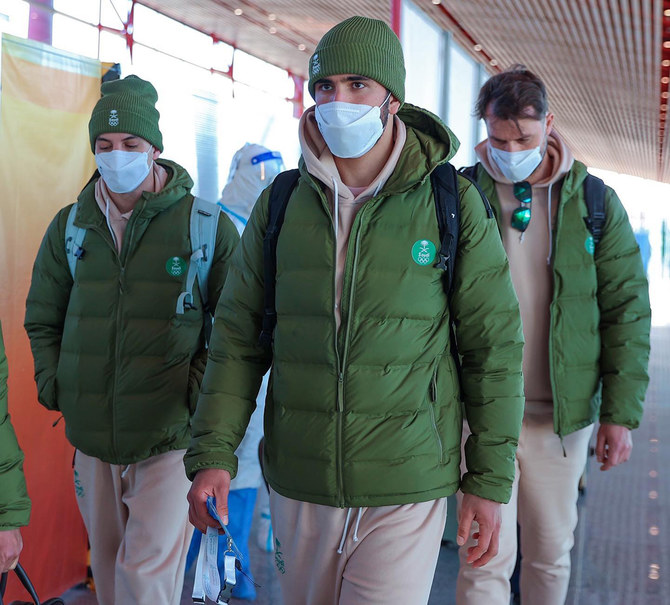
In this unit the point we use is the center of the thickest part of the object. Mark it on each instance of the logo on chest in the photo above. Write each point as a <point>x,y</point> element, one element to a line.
<point>175,266</point>
<point>423,252</point>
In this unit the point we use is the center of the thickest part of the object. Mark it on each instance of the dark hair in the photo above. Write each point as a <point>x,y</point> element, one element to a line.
<point>510,93</point>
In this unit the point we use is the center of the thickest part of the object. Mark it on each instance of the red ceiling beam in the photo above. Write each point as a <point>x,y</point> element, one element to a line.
<point>664,86</point>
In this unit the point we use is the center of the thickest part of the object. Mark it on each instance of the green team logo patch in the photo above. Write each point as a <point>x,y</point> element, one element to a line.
<point>175,266</point>
<point>590,245</point>
<point>423,252</point>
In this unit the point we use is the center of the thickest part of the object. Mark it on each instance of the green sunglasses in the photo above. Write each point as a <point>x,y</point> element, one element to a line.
<point>521,216</point>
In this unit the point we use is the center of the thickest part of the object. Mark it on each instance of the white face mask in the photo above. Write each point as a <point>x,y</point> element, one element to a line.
<point>350,129</point>
<point>123,171</point>
<point>517,165</point>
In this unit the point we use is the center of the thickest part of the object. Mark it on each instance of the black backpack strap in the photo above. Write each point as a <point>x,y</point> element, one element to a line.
<point>444,180</point>
<point>594,196</point>
<point>282,187</point>
<point>470,173</point>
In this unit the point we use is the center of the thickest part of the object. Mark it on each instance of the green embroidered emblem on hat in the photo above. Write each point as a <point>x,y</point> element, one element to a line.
<point>423,252</point>
<point>175,266</point>
<point>590,245</point>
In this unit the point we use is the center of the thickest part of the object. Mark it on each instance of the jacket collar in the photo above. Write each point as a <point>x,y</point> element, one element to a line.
<point>178,185</point>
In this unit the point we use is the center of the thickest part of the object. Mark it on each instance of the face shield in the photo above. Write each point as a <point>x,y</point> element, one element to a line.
<point>268,164</point>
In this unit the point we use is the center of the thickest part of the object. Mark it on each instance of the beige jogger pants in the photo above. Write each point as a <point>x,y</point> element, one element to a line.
<point>388,553</point>
<point>137,522</point>
<point>544,500</point>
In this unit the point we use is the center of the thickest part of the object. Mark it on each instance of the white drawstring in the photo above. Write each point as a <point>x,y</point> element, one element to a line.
<point>550,225</point>
<point>344,533</point>
<point>346,528</point>
<point>358,521</point>
<point>379,186</point>
<point>109,225</point>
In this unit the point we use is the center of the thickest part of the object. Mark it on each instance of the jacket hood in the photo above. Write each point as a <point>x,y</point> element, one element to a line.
<point>429,142</point>
<point>179,184</point>
<point>558,154</point>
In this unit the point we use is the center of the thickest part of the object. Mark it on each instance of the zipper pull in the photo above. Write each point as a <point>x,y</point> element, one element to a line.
<point>57,420</point>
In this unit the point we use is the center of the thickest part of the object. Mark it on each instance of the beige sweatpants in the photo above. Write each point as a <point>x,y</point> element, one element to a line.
<point>388,553</point>
<point>544,500</point>
<point>137,522</point>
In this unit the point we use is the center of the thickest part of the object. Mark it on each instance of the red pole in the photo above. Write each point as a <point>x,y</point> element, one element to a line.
<point>39,23</point>
<point>396,9</point>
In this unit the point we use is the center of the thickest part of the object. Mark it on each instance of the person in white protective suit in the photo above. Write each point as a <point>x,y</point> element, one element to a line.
<point>252,169</point>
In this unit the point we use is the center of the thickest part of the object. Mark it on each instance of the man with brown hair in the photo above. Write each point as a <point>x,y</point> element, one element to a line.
<point>585,312</point>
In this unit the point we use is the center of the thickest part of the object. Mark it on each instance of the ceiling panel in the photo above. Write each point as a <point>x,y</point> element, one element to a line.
<point>601,59</point>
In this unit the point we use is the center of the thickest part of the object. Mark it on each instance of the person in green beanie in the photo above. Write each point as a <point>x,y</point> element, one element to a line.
<point>364,411</point>
<point>119,343</point>
<point>14,501</point>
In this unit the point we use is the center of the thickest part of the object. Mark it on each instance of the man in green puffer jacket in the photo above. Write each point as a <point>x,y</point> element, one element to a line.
<point>586,317</point>
<point>117,356</point>
<point>14,501</point>
<point>365,403</point>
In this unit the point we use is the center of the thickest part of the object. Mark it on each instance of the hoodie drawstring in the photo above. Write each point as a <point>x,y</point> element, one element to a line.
<point>344,533</point>
<point>346,528</point>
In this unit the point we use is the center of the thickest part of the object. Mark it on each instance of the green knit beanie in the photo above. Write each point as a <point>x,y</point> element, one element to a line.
<point>364,47</point>
<point>127,105</point>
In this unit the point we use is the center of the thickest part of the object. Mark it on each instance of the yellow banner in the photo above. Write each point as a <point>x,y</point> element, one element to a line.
<point>46,99</point>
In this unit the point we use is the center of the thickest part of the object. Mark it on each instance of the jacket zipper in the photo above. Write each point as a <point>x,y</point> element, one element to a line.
<point>339,403</point>
<point>347,332</point>
<point>117,350</point>
<point>552,305</point>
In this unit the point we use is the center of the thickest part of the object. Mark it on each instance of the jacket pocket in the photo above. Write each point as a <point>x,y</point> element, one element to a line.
<point>432,402</point>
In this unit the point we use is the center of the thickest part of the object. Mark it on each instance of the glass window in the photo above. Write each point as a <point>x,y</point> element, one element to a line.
<point>74,36</point>
<point>261,75</point>
<point>162,33</point>
<point>481,127</point>
<point>113,48</point>
<point>14,15</point>
<point>222,56</point>
<point>463,88</point>
<point>86,11</point>
<point>423,46</point>
<point>114,13</point>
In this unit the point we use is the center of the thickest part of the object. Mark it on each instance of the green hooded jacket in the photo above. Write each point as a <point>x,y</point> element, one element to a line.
<point>600,314</point>
<point>111,353</point>
<point>14,501</point>
<point>370,414</point>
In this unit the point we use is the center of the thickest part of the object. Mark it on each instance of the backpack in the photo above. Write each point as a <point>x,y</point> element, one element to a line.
<point>444,181</point>
<point>594,197</point>
<point>203,224</point>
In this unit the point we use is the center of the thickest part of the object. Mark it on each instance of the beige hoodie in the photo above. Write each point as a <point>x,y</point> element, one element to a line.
<point>345,202</point>
<point>530,263</point>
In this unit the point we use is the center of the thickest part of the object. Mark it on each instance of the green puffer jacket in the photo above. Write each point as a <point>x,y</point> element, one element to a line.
<point>14,502</point>
<point>111,353</point>
<point>600,314</point>
<point>370,415</point>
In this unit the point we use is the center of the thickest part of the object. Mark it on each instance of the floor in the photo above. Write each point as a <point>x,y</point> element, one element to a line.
<point>621,554</point>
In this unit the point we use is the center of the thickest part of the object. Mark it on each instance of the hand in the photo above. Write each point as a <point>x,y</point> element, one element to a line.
<point>613,445</point>
<point>11,544</point>
<point>208,482</point>
<point>487,514</point>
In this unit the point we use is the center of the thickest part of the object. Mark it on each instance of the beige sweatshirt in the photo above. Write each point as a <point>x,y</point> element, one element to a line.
<point>529,259</point>
<point>321,165</point>
<point>116,220</point>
